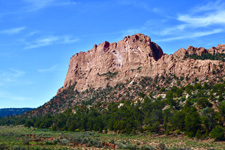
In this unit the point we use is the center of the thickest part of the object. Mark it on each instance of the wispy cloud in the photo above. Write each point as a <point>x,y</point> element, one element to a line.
<point>136,3</point>
<point>50,40</point>
<point>12,78</point>
<point>51,69</point>
<point>215,18</point>
<point>211,6</point>
<point>201,21</point>
<point>133,31</point>
<point>11,75</point>
<point>36,5</point>
<point>5,55</point>
<point>32,33</point>
<point>191,36</point>
<point>12,30</point>
<point>42,42</point>
<point>66,3</point>
<point>9,96</point>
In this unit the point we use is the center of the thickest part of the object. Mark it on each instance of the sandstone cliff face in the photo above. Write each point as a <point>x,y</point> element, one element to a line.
<point>122,59</point>
<point>133,57</point>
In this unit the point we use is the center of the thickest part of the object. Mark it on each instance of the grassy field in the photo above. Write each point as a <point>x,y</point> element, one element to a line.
<point>21,138</point>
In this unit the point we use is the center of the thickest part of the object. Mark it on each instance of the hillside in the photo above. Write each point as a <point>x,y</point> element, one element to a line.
<point>13,111</point>
<point>196,110</point>
<point>116,71</point>
<point>154,93</point>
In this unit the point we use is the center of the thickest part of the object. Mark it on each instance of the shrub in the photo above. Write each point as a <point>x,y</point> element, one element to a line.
<point>63,142</point>
<point>156,127</point>
<point>18,148</point>
<point>3,146</point>
<point>198,134</point>
<point>15,148</point>
<point>192,122</point>
<point>112,141</point>
<point>51,142</point>
<point>162,146</point>
<point>203,102</point>
<point>217,133</point>
<point>131,147</point>
<point>64,148</point>
<point>121,145</point>
<point>178,120</point>
<point>75,139</point>
<point>26,142</point>
<point>145,147</point>
<point>84,141</point>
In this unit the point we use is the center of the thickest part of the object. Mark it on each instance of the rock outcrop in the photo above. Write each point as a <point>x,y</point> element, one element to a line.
<point>135,56</point>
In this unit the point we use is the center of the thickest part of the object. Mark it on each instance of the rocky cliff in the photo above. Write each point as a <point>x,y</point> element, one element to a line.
<point>116,71</point>
<point>133,57</point>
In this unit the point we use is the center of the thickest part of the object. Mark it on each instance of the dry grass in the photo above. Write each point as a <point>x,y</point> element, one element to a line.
<point>20,136</point>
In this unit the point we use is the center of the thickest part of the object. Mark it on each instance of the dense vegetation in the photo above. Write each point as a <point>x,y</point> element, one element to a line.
<point>196,110</point>
<point>13,111</point>
<point>129,90</point>
<point>23,138</point>
<point>218,56</point>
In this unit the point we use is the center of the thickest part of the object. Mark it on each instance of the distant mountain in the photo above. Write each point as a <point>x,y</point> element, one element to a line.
<point>13,111</point>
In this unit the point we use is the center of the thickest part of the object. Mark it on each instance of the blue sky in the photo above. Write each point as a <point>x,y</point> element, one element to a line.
<point>38,37</point>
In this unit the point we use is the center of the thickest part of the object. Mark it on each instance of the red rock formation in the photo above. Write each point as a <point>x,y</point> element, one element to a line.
<point>133,57</point>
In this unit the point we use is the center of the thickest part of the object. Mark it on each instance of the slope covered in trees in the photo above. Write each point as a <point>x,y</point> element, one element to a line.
<point>196,110</point>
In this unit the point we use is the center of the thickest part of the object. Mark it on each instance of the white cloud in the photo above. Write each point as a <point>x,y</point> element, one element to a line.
<point>136,3</point>
<point>133,31</point>
<point>51,69</point>
<point>11,75</point>
<point>36,5</point>
<point>9,96</point>
<point>42,42</point>
<point>50,40</point>
<point>211,6</point>
<point>12,30</point>
<point>66,3</point>
<point>68,40</point>
<point>215,18</point>
<point>32,33</point>
<point>191,35</point>
<point>200,21</point>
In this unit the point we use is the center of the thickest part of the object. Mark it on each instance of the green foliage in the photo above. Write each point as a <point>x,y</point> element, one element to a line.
<point>220,98</point>
<point>109,74</point>
<point>145,147</point>
<point>63,142</point>
<point>203,102</point>
<point>162,146</point>
<point>217,133</point>
<point>192,122</point>
<point>222,108</point>
<point>3,146</point>
<point>218,56</point>
<point>178,120</point>
<point>155,127</point>
<point>131,116</point>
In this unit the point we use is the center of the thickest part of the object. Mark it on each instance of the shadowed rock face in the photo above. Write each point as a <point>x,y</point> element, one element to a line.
<point>133,57</point>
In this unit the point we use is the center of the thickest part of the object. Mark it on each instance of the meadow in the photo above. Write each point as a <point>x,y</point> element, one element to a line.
<point>23,138</point>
